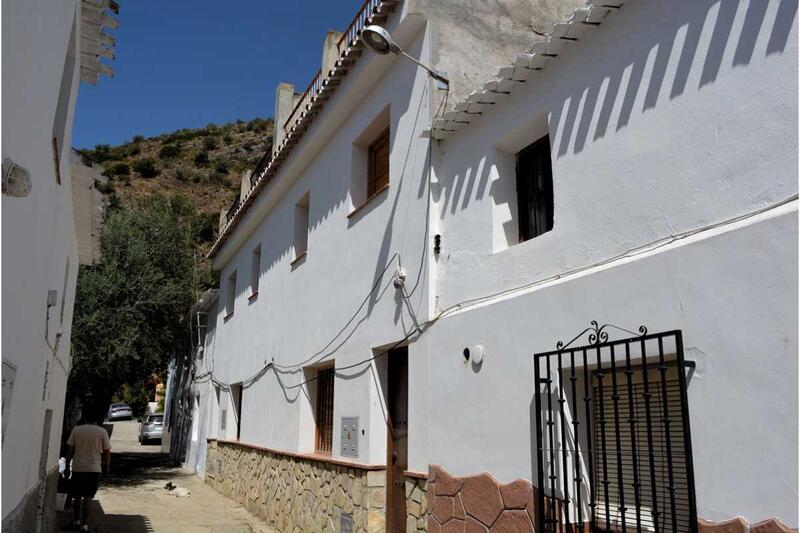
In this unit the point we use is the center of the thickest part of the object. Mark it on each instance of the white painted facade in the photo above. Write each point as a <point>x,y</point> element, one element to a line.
<point>671,210</point>
<point>41,73</point>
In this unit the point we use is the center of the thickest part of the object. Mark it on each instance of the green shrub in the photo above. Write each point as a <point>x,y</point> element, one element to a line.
<point>203,227</point>
<point>201,158</point>
<point>120,169</point>
<point>146,168</point>
<point>228,138</point>
<point>181,175</point>
<point>105,187</point>
<point>135,150</point>
<point>168,151</point>
<point>218,178</point>
<point>209,143</point>
<point>137,138</point>
<point>181,204</point>
<point>222,166</point>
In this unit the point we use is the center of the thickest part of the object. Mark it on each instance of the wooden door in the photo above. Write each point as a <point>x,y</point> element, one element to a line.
<point>397,445</point>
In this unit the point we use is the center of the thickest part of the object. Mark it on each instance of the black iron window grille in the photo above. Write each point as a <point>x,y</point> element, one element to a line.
<point>614,451</point>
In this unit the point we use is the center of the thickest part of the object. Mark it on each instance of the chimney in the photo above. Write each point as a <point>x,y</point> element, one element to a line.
<point>245,187</point>
<point>284,103</point>
<point>330,50</point>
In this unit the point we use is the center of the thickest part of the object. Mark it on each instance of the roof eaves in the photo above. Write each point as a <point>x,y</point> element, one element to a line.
<point>523,67</point>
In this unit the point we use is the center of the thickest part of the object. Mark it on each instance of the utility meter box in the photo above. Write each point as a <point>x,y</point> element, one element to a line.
<point>349,436</point>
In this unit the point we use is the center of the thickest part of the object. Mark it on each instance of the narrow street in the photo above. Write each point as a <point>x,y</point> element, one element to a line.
<point>133,498</point>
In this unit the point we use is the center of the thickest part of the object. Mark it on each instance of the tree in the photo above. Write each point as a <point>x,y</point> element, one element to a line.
<point>129,306</point>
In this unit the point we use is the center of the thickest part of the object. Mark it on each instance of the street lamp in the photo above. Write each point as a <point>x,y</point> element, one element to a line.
<point>380,42</point>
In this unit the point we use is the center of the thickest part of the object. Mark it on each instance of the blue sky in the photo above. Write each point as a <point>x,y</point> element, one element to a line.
<point>183,64</point>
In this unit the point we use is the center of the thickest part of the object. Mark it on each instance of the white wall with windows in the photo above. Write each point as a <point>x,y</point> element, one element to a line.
<point>39,242</point>
<point>667,212</point>
<point>663,213</point>
<point>321,251</point>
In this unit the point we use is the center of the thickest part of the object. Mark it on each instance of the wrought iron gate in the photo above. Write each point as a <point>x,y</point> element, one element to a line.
<point>614,448</point>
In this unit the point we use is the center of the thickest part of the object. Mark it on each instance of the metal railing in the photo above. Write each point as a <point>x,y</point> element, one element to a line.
<point>358,22</point>
<point>305,100</point>
<point>352,31</point>
<point>232,210</point>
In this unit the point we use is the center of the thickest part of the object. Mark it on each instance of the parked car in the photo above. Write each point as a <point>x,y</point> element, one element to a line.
<point>120,411</point>
<point>151,428</point>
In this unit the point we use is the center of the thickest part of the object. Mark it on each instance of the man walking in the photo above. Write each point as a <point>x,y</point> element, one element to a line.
<point>90,451</point>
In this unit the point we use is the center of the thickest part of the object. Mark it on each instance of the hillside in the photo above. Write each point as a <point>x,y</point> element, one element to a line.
<point>203,164</point>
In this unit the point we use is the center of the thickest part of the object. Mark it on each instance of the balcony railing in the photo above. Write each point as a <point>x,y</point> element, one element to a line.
<point>358,22</point>
<point>353,30</point>
<point>305,100</point>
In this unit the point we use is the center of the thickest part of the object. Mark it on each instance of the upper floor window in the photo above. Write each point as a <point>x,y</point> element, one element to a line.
<point>230,294</point>
<point>301,227</point>
<point>535,190</point>
<point>378,164</point>
<point>255,270</point>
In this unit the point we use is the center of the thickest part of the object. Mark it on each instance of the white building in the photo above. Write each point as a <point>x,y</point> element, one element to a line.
<point>49,47</point>
<point>363,323</point>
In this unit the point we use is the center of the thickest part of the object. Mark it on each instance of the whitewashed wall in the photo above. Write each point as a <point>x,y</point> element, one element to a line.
<point>300,308</point>
<point>38,233</point>
<point>670,117</point>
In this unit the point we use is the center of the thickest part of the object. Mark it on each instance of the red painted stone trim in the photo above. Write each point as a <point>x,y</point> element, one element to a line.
<point>304,456</point>
<point>740,525</point>
<point>480,504</point>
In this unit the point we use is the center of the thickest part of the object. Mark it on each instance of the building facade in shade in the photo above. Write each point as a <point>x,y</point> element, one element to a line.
<point>50,227</point>
<point>560,294</point>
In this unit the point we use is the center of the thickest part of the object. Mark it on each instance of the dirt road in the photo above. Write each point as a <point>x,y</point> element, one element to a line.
<point>133,498</point>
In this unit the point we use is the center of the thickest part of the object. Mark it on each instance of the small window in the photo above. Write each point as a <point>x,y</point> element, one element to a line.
<point>230,294</point>
<point>535,190</point>
<point>255,270</point>
<point>324,411</point>
<point>301,227</point>
<point>64,292</point>
<point>378,164</point>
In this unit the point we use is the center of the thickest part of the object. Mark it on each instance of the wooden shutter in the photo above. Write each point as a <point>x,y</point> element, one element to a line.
<point>324,416</point>
<point>378,171</point>
<point>643,466</point>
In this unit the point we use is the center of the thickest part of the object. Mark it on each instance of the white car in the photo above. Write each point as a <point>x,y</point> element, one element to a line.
<point>120,411</point>
<point>152,428</point>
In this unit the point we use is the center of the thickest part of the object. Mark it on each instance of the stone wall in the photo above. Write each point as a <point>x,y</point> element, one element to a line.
<point>298,493</point>
<point>416,504</point>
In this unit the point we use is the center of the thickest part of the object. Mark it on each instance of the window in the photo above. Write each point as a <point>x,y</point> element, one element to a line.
<point>324,411</point>
<point>535,190</point>
<point>378,164</point>
<point>230,295</point>
<point>255,270</point>
<point>301,227</point>
<point>64,292</point>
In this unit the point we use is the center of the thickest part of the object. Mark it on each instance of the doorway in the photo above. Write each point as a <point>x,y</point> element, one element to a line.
<point>397,440</point>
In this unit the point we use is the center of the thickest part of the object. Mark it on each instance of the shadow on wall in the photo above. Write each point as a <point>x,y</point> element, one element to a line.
<point>618,84</point>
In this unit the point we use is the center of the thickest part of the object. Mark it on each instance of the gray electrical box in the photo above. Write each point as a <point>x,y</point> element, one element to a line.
<point>350,436</point>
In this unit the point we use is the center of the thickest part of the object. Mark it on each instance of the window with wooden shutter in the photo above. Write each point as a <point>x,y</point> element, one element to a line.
<point>378,172</point>
<point>324,414</point>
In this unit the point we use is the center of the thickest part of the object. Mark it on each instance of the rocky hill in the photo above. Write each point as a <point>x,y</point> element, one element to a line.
<point>203,164</point>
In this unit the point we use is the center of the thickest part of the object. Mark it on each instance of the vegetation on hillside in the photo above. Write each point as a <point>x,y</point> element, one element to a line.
<point>205,164</point>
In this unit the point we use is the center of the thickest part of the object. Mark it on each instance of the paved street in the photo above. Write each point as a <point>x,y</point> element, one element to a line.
<point>133,499</point>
